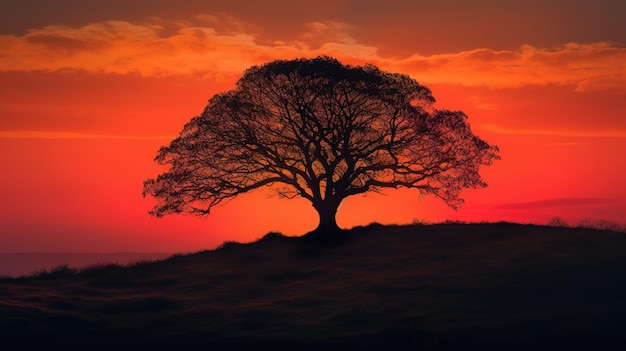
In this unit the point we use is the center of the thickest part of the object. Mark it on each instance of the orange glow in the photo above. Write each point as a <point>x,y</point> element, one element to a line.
<point>200,50</point>
<point>85,108</point>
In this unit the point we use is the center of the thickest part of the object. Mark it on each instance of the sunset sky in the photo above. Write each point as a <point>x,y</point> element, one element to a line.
<point>89,91</point>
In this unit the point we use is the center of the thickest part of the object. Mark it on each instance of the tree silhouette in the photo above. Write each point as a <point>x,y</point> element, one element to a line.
<point>321,130</point>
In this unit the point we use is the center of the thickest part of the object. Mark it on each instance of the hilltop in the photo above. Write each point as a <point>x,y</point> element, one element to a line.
<point>433,287</point>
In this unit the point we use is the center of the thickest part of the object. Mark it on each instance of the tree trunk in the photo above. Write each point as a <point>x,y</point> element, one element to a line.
<point>327,211</point>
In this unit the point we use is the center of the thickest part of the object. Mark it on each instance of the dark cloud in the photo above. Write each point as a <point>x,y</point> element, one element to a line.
<point>397,27</point>
<point>553,203</point>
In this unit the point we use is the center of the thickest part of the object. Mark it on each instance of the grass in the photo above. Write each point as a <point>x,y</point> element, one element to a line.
<point>432,287</point>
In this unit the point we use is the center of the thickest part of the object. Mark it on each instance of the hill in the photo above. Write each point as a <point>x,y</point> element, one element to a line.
<point>19,264</point>
<point>432,287</point>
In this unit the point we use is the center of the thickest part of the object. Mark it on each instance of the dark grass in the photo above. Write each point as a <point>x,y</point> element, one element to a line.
<point>34,263</point>
<point>424,287</point>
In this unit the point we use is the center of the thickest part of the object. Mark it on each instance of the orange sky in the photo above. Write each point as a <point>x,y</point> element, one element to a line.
<point>89,93</point>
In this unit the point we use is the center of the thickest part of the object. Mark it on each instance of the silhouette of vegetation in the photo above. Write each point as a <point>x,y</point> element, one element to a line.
<point>56,272</point>
<point>589,223</point>
<point>558,222</point>
<point>321,130</point>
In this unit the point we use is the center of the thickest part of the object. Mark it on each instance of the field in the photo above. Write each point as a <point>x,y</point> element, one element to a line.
<point>495,286</point>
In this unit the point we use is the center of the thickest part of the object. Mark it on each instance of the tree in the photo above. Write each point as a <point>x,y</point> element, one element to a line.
<point>321,130</point>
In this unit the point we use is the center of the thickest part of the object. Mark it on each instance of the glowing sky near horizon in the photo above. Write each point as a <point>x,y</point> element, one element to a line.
<point>90,90</point>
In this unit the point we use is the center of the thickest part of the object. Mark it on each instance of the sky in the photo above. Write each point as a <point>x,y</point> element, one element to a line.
<point>89,91</point>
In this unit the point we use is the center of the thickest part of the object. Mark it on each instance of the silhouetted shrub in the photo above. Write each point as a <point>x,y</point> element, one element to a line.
<point>419,221</point>
<point>56,272</point>
<point>601,224</point>
<point>558,222</point>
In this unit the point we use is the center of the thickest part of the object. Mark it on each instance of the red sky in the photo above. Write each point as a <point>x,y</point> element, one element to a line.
<point>90,90</point>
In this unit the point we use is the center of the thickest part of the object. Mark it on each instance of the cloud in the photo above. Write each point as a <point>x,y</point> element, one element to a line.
<point>612,133</point>
<point>552,203</point>
<point>42,134</point>
<point>219,47</point>
<point>585,66</point>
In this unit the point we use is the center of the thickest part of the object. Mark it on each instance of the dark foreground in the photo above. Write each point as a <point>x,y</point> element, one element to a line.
<point>489,286</point>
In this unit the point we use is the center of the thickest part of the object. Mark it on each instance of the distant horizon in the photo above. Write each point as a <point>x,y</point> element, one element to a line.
<point>557,222</point>
<point>26,263</point>
<point>17,264</point>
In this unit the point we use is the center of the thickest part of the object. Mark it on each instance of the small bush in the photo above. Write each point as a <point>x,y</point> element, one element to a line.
<point>56,272</point>
<point>419,221</point>
<point>601,224</point>
<point>558,222</point>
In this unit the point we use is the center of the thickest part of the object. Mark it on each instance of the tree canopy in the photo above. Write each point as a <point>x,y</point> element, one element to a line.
<point>323,131</point>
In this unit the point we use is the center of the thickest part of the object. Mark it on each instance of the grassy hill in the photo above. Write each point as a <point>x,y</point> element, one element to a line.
<point>432,287</point>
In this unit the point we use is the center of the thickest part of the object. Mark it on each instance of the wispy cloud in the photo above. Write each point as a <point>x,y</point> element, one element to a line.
<point>212,47</point>
<point>611,133</point>
<point>552,203</point>
<point>35,134</point>
<point>584,66</point>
